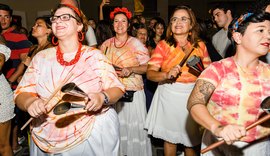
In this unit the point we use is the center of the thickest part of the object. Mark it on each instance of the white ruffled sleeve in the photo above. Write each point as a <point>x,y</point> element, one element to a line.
<point>5,50</point>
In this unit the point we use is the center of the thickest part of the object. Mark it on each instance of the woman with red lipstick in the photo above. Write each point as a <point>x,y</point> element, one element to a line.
<point>92,130</point>
<point>228,94</point>
<point>168,118</point>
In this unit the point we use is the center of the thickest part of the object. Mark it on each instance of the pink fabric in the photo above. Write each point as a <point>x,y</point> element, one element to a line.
<point>238,95</point>
<point>93,73</point>
<point>133,53</point>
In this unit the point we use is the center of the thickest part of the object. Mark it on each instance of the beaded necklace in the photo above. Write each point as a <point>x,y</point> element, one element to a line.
<point>60,56</point>
<point>121,46</point>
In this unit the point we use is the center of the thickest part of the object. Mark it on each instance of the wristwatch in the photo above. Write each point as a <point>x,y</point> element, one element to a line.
<point>106,98</point>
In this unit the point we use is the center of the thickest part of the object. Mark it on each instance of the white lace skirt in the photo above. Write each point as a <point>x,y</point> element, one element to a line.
<point>134,139</point>
<point>168,117</point>
<point>6,100</point>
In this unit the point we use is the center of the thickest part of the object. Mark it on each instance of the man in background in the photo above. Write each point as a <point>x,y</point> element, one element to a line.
<point>222,15</point>
<point>19,45</point>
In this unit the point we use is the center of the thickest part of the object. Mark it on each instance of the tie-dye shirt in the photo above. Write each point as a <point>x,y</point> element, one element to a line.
<point>166,57</point>
<point>93,73</point>
<point>238,94</point>
<point>133,53</point>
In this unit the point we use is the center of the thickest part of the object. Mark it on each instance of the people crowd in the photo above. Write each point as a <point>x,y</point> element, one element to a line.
<point>118,85</point>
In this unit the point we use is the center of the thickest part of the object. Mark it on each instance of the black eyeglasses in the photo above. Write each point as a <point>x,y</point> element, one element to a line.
<point>63,17</point>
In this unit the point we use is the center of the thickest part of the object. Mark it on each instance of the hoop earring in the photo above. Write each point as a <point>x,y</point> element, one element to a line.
<point>55,43</point>
<point>81,36</point>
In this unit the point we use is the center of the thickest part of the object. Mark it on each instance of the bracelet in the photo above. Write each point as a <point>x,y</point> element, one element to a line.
<point>106,98</point>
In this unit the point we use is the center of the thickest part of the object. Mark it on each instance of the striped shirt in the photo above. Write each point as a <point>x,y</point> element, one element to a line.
<point>19,44</point>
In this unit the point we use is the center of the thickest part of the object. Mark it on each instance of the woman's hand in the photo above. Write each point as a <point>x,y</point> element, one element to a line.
<point>104,2</point>
<point>174,72</point>
<point>230,133</point>
<point>26,61</point>
<point>125,72</point>
<point>95,103</point>
<point>37,108</point>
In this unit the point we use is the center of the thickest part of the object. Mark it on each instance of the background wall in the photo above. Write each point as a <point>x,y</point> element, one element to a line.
<point>31,8</point>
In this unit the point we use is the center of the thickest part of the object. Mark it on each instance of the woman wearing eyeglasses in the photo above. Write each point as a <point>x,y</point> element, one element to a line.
<point>168,118</point>
<point>129,56</point>
<point>93,130</point>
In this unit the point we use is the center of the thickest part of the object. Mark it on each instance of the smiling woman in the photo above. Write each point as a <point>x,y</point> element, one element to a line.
<point>129,56</point>
<point>75,132</point>
<point>228,94</point>
<point>175,83</point>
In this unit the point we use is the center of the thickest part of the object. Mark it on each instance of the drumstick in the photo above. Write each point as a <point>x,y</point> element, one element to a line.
<point>50,98</point>
<point>214,145</point>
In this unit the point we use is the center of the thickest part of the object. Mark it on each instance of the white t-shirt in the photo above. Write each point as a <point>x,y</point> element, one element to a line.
<point>90,37</point>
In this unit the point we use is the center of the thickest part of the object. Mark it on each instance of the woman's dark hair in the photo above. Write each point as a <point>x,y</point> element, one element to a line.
<point>259,5</point>
<point>122,14</point>
<point>202,29</point>
<point>141,26</point>
<point>160,21</point>
<point>47,21</point>
<point>241,27</point>
<point>103,31</point>
<point>134,18</point>
<point>193,37</point>
<point>256,17</point>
